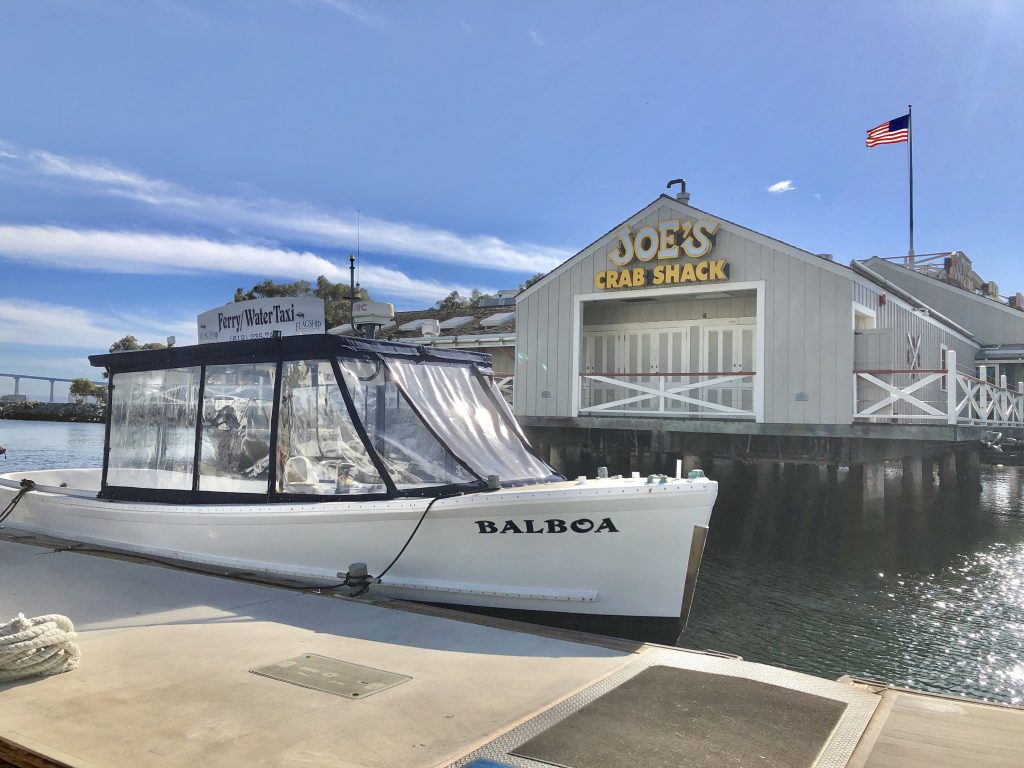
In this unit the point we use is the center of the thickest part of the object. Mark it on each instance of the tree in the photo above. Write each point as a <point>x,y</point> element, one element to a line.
<point>476,296</point>
<point>81,389</point>
<point>125,344</point>
<point>527,283</point>
<point>131,344</point>
<point>451,303</point>
<point>336,296</point>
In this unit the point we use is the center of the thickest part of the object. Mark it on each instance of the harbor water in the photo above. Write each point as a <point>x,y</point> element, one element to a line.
<point>935,601</point>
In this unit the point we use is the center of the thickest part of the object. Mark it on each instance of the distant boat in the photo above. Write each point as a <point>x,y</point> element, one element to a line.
<point>296,457</point>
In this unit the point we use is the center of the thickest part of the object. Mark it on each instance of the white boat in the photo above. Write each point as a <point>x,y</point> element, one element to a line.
<point>296,457</point>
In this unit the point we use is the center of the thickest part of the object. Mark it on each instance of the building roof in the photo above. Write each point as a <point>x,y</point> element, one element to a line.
<point>695,213</point>
<point>470,322</point>
<point>309,346</point>
<point>1002,353</point>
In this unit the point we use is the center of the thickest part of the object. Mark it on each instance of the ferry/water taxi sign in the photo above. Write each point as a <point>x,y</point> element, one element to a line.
<point>261,318</point>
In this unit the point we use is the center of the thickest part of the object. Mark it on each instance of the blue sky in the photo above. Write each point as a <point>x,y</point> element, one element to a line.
<point>157,154</point>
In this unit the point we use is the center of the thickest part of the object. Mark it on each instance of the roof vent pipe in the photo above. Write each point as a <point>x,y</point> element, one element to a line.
<point>682,195</point>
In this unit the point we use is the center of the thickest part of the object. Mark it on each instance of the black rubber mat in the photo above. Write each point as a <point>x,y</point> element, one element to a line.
<point>668,717</point>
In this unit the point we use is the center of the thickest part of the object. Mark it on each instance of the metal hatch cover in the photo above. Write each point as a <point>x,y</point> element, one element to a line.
<point>321,673</point>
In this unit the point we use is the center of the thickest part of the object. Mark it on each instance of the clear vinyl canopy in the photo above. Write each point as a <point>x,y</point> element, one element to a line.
<point>378,420</point>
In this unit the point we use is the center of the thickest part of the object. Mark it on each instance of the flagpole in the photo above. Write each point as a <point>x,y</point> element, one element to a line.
<point>910,151</point>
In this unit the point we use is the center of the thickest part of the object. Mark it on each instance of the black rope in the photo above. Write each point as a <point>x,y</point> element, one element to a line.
<point>411,535</point>
<point>26,486</point>
<point>364,582</point>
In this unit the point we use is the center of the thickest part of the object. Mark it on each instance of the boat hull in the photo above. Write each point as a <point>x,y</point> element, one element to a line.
<point>600,548</point>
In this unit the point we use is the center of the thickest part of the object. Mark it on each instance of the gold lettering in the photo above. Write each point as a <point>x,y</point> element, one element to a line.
<point>669,250</point>
<point>646,244</point>
<point>702,271</point>
<point>682,233</point>
<point>639,276</point>
<point>717,269</point>
<point>599,280</point>
<point>611,279</point>
<point>703,239</point>
<point>688,276</point>
<point>659,275</point>
<point>621,256</point>
<point>671,273</point>
<point>626,278</point>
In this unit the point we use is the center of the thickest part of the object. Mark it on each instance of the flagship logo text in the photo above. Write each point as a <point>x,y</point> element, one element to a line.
<point>583,525</point>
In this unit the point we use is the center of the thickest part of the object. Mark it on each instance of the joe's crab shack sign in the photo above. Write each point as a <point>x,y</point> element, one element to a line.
<point>675,252</point>
<point>261,319</point>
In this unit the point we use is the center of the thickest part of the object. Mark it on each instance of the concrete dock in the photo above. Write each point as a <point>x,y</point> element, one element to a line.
<point>167,678</point>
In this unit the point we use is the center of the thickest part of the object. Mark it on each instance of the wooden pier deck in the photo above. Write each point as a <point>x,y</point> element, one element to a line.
<point>166,680</point>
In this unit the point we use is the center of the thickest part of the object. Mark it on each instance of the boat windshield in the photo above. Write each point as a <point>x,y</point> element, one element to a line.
<point>331,426</point>
<point>153,428</point>
<point>464,411</point>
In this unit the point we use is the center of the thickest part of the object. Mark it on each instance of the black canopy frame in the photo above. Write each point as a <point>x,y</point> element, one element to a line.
<point>278,351</point>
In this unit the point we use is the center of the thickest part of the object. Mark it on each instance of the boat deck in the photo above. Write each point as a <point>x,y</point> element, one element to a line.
<point>166,679</point>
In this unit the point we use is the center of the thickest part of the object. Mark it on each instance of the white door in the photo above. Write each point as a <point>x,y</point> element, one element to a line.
<point>729,350</point>
<point>639,360</point>
<point>601,356</point>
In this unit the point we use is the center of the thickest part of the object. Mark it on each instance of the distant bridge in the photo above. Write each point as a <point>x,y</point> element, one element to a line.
<point>52,379</point>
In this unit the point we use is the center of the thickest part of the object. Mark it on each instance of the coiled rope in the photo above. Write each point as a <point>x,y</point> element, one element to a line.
<point>43,645</point>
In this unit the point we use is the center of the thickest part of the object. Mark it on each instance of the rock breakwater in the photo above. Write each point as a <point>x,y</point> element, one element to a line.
<point>88,413</point>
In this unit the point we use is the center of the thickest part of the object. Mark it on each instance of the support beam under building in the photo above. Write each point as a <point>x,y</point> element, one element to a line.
<point>969,465</point>
<point>557,457</point>
<point>691,461</point>
<point>947,469</point>
<point>873,494</point>
<point>913,475</point>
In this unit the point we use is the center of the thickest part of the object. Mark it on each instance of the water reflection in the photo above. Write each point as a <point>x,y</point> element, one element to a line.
<point>935,601</point>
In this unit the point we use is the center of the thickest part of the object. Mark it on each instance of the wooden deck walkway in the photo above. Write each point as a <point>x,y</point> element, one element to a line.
<point>166,680</point>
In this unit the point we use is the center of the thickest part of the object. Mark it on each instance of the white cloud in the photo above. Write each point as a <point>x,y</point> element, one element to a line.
<point>9,155</point>
<point>354,11</point>
<point>786,185</point>
<point>149,253</point>
<point>536,39</point>
<point>42,324</point>
<point>282,219</point>
<point>99,173</point>
<point>817,196</point>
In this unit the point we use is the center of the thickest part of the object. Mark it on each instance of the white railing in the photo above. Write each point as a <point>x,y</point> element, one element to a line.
<point>504,383</point>
<point>944,396</point>
<point>728,395</point>
<point>983,403</point>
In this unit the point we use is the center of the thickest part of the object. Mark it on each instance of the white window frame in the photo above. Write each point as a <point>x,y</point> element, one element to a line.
<point>943,349</point>
<point>861,309</point>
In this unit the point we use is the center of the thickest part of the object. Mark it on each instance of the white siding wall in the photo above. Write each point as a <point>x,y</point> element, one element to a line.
<point>889,348</point>
<point>808,327</point>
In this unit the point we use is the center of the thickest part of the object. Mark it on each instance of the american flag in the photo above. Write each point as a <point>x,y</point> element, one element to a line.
<point>890,132</point>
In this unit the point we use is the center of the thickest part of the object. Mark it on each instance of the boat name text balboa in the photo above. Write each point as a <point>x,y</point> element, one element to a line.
<point>583,525</point>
